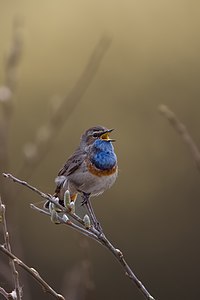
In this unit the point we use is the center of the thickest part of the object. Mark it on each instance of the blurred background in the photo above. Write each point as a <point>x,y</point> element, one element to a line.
<point>69,65</point>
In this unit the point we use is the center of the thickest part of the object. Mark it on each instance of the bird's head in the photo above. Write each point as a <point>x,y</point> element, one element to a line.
<point>96,133</point>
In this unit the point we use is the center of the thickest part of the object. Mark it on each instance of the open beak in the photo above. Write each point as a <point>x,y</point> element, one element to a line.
<point>105,135</point>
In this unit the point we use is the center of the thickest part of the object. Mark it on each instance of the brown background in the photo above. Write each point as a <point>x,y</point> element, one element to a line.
<point>152,212</point>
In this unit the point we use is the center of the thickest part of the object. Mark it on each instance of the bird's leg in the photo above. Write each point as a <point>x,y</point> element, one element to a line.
<point>85,198</point>
<point>87,203</point>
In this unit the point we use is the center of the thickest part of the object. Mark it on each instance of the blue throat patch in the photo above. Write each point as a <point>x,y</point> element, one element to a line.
<point>103,155</point>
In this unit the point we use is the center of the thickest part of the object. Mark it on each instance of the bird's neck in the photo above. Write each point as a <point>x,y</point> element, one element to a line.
<point>102,155</point>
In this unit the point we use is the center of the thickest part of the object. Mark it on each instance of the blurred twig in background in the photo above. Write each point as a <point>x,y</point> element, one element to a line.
<point>46,134</point>
<point>7,90</point>
<point>77,282</point>
<point>14,55</point>
<point>85,228</point>
<point>182,130</point>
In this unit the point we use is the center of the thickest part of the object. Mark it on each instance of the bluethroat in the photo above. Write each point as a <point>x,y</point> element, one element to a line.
<point>90,170</point>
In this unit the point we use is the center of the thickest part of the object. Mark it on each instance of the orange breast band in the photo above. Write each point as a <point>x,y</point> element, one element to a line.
<point>92,169</point>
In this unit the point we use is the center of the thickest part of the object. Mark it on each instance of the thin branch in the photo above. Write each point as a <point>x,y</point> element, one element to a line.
<point>45,196</point>
<point>68,222</point>
<point>8,296</point>
<point>15,274</point>
<point>101,238</point>
<point>90,232</point>
<point>22,182</point>
<point>182,130</point>
<point>15,260</point>
<point>32,272</point>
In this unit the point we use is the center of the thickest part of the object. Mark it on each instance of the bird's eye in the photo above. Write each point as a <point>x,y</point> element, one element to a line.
<point>95,135</point>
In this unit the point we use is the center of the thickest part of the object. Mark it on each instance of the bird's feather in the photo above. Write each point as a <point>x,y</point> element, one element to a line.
<point>72,164</point>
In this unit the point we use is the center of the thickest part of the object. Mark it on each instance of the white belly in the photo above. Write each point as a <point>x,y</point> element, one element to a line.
<point>90,183</point>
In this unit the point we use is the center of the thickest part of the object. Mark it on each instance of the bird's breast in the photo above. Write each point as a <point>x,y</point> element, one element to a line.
<point>104,161</point>
<point>90,179</point>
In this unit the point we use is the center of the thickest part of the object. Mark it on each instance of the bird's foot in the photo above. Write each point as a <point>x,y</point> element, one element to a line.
<point>95,222</point>
<point>85,198</point>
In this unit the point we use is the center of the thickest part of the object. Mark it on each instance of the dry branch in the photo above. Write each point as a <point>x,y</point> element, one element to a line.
<point>46,287</point>
<point>15,274</point>
<point>89,231</point>
<point>16,294</point>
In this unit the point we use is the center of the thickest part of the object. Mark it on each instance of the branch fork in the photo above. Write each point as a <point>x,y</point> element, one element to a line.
<point>84,227</point>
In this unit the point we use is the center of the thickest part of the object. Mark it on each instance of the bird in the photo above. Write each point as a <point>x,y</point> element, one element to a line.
<point>90,170</point>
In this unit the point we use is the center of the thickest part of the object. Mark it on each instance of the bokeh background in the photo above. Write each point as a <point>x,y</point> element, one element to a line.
<point>152,212</point>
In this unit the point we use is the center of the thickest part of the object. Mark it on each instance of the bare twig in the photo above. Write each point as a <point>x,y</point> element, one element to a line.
<point>68,222</point>
<point>46,135</point>
<point>15,274</point>
<point>8,296</point>
<point>43,195</point>
<point>14,260</point>
<point>90,232</point>
<point>182,130</point>
<point>32,272</point>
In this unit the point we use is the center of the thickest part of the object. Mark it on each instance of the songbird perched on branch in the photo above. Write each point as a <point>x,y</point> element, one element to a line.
<point>91,169</point>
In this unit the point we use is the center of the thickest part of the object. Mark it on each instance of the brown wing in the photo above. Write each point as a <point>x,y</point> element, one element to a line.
<point>72,164</point>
